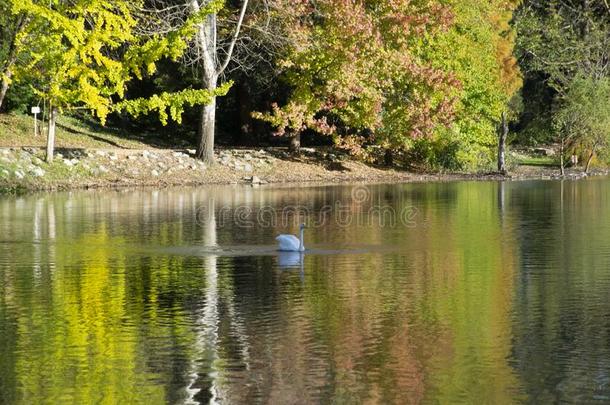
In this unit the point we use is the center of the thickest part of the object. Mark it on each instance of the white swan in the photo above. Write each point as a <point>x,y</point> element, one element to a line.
<point>290,243</point>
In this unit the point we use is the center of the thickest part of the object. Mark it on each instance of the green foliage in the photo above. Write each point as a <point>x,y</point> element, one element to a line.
<point>478,51</point>
<point>562,46</point>
<point>431,76</point>
<point>583,116</point>
<point>172,45</point>
<point>174,102</point>
<point>563,40</point>
<point>73,52</point>
<point>78,58</point>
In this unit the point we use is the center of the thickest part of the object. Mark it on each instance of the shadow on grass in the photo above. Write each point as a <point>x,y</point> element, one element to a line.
<point>312,156</point>
<point>89,135</point>
<point>89,123</point>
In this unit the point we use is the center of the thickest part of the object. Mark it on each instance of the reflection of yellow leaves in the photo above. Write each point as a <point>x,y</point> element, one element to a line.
<point>86,353</point>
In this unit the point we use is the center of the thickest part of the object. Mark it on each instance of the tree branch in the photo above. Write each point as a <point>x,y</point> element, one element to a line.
<point>242,13</point>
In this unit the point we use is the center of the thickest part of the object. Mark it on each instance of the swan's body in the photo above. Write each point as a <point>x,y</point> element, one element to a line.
<point>290,243</point>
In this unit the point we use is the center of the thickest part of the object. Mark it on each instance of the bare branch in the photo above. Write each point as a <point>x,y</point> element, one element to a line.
<point>234,39</point>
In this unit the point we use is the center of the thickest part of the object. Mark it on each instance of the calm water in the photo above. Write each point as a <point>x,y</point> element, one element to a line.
<point>425,293</point>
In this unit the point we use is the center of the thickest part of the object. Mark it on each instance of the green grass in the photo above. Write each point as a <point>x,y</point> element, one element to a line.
<point>545,161</point>
<point>17,130</point>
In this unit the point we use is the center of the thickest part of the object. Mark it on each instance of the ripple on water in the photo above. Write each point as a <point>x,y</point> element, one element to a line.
<point>498,293</point>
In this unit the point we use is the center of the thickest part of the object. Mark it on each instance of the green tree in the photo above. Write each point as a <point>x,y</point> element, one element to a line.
<point>15,38</point>
<point>80,60</point>
<point>478,50</point>
<point>557,43</point>
<point>583,116</point>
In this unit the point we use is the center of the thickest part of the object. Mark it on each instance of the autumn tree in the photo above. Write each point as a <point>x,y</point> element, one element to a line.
<point>353,74</point>
<point>81,60</point>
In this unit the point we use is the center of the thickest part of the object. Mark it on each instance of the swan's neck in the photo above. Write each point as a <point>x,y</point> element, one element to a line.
<point>301,246</point>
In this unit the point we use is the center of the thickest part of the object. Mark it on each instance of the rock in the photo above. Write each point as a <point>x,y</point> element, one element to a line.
<point>4,152</point>
<point>146,154</point>
<point>132,157</point>
<point>248,167</point>
<point>544,151</point>
<point>247,156</point>
<point>100,153</point>
<point>30,150</point>
<point>178,154</point>
<point>103,169</point>
<point>191,151</point>
<point>38,172</point>
<point>113,156</point>
<point>19,174</point>
<point>154,173</point>
<point>68,162</point>
<point>25,157</point>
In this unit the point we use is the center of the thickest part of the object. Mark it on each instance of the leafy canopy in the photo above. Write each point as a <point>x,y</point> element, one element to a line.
<point>86,51</point>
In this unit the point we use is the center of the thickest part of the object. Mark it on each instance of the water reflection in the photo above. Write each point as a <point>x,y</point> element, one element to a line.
<point>290,259</point>
<point>498,293</point>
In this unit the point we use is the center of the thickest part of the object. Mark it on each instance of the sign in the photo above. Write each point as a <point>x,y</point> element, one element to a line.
<point>36,110</point>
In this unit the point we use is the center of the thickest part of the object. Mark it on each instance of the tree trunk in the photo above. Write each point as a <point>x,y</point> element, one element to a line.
<point>502,145</point>
<point>51,134</point>
<point>295,143</point>
<point>206,44</point>
<point>6,77</point>
<point>205,149</point>
<point>589,161</point>
<point>561,157</point>
<point>207,51</point>
<point>388,157</point>
<point>11,58</point>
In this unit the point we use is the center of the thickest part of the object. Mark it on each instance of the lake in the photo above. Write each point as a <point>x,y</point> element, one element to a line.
<point>460,292</point>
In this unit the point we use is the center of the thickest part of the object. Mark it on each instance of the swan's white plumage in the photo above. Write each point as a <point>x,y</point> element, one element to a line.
<point>291,243</point>
<point>288,243</point>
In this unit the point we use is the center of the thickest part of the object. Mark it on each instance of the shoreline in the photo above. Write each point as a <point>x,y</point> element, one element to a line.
<point>22,170</point>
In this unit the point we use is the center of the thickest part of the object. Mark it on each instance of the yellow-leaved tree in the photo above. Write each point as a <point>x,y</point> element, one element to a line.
<point>85,52</point>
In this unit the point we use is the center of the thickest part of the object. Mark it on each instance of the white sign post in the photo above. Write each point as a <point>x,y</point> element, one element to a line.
<point>36,111</point>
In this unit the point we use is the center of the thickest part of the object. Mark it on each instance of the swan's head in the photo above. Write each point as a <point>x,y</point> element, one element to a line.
<point>302,226</point>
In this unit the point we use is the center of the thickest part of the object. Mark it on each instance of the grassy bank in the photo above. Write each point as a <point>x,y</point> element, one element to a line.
<point>92,157</point>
